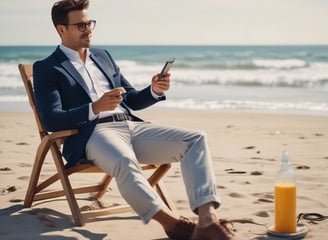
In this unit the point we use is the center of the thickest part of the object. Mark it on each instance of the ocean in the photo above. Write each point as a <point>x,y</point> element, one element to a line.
<point>266,79</point>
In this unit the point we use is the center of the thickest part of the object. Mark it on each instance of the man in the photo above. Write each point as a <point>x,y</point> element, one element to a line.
<point>78,87</point>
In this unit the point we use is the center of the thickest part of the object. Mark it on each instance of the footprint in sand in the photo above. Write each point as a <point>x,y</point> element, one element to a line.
<point>249,147</point>
<point>264,200</point>
<point>22,144</point>
<point>7,190</point>
<point>263,197</point>
<point>303,167</point>
<point>16,200</point>
<point>24,165</point>
<point>262,214</point>
<point>24,178</point>
<point>319,134</point>
<point>236,195</point>
<point>256,173</point>
<point>232,171</point>
<point>5,169</point>
<point>45,220</point>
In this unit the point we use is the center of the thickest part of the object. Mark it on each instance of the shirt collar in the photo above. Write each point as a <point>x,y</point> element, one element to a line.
<point>73,55</point>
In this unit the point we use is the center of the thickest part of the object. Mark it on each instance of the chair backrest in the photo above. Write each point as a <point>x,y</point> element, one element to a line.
<point>26,71</point>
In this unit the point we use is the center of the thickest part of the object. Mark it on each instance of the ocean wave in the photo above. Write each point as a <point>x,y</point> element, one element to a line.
<point>13,98</point>
<point>289,73</point>
<point>250,64</point>
<point>236,105</point>
<point>9,76</point>
<point>280,63</point>
<point>236,78</point>
<point>315,75</point>
<point>139,73</point>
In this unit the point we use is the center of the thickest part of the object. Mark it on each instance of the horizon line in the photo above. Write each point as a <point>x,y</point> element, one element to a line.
<point>102,44</point>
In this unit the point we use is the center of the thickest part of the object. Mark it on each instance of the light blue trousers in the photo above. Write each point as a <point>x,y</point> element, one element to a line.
<point>119,147</point>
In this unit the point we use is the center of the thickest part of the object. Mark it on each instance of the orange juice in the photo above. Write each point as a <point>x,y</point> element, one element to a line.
<point>285,207</point>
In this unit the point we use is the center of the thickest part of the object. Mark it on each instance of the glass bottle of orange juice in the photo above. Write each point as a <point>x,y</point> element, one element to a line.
<point>285,198</point>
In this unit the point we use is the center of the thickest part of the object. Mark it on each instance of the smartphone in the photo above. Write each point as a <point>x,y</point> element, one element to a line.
<point>166,67</point>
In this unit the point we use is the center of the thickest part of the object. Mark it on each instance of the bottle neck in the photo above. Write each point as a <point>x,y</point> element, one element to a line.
<point>286,173</point>
<point>285,165</point>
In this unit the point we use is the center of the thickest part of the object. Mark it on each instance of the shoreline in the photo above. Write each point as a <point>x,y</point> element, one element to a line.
<point>16,107</point>
<point>246,150</point>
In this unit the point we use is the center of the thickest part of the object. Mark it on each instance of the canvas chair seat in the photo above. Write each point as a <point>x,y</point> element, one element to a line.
<point>51,142</point>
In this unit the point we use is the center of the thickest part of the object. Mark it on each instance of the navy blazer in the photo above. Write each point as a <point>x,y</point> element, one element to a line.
<point>62,97</point>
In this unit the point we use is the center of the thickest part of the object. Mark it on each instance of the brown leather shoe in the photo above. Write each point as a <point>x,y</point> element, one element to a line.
<point>215,231</point>
<point>182,229</point>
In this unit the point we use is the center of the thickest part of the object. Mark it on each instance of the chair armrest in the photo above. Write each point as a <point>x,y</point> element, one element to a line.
<point>61,135</point>
<point>48,140</point>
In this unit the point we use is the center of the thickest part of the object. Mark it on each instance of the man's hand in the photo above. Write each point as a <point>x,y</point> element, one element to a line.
<point>160,84</point>
<point>109,101</point>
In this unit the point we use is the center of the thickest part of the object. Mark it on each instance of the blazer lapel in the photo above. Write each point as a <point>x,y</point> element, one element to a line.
<point>71,70</point>
<point>109,72</point>
<point>104,67</point>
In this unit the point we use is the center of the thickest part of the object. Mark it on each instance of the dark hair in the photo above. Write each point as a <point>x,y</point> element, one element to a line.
<point>60,10</point>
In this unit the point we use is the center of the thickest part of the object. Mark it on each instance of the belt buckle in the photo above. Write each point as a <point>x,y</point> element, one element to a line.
<point>121,117</point>
<point>118,117</point>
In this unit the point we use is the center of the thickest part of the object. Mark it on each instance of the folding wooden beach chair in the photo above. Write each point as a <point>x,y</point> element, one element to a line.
<point>51,142</point>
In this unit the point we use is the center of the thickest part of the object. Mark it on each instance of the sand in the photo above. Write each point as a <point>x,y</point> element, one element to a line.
<point>246,150</point>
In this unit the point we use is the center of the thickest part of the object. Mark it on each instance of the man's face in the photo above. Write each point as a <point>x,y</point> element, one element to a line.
<point>71,35</point>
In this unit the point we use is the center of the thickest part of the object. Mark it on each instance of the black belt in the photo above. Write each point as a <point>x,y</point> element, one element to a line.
<point>118,117</point>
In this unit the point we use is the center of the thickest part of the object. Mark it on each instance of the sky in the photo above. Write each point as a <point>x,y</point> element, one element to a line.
<point>176,22</point>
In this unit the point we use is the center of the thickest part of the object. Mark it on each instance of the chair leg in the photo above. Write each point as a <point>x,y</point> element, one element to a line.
<point>78,218</point>
<point>37,165</point>
<point>104,183</point>
<point>158,174</point>
<point>29,196</point>
<point>155,181</point>
<point>161,190</point>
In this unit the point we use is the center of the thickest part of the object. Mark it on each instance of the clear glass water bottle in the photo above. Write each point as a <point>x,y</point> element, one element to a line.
<point>285,198</point>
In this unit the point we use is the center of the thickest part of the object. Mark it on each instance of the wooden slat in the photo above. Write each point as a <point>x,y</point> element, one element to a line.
<point>106,211</point>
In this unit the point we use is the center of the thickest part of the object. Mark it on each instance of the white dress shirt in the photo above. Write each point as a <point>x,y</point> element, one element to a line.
<point>95,80</point>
